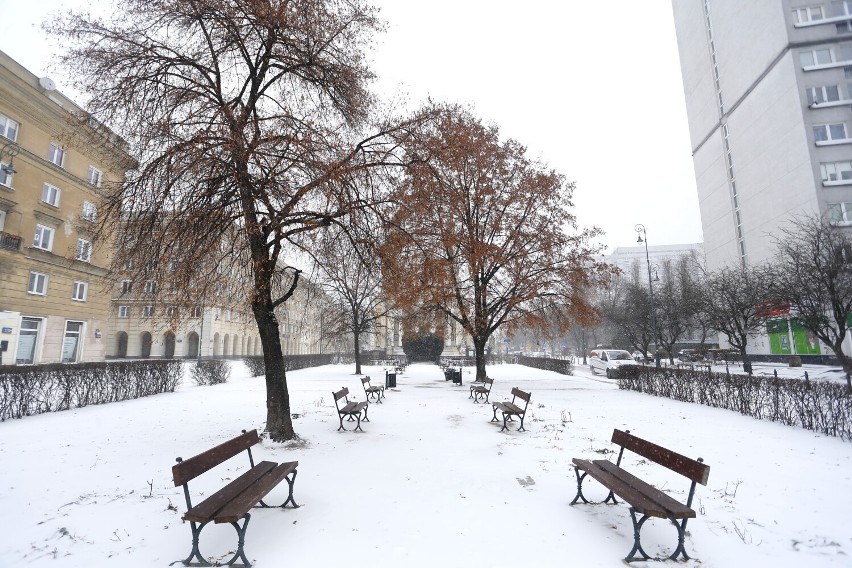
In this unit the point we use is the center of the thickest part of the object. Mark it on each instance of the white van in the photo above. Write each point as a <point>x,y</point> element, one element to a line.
<point>604,360</point>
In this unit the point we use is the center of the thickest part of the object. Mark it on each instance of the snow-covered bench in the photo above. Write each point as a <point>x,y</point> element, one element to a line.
<point>642,497</point>
<point>351,410</point>
<point>376,393</point>
<point>509,408</point>
<point>481,389</point>
<point>234,501</point>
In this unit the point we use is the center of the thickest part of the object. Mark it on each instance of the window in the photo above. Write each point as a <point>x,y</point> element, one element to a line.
<point>126,286</point>
<point>37,284</point>
<point>815,57</point>
<point>81,290</point>
<point>50,194</point>
<point>830,132</point>
<point>840,212</point>
<point>71,341</point>
<point>124,311</point>
<point>90,211</point>
<point>843,27</point>
<point>128,264</point>
<point>27,341</point>
<point>56,154</point>
<point>2,219</point>
<point>148,311</point>
<point>836,171</point>
<point>95,176</point>
<point>84,250</point>
<point>808,14</point>
<point>150,287</point>
<point>5,178</point>
<point>43,238</point>
<point>840,8</point>
<point>8,128</point>
<point>171,311</point>
<point>828,93</point>
<point>196,312</point>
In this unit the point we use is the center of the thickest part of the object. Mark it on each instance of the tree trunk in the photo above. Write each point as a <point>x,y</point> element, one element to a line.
<point>357,343</point>
<point>279,423</point>
<point>479,351</point>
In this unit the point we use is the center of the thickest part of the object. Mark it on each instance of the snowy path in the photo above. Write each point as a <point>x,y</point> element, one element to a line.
<point>430,482</point>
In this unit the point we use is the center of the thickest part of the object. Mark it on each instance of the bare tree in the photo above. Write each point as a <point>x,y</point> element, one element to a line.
<point>248,121</point>
<point>676,303</point>
<point>733,299</point>
<point>350,274</point>
<point>487,238</point>
<point>814,275</point>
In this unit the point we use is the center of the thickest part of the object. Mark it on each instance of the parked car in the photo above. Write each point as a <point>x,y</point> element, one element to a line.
<point>688,355</point>
<point>605,360</point>
<point>639,357</point>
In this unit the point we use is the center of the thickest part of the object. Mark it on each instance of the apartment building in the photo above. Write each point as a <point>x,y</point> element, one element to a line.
<point>768,87</point>
<point>54,281</point>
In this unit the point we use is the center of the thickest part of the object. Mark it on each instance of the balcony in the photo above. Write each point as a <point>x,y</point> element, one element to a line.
<point>9,241</point>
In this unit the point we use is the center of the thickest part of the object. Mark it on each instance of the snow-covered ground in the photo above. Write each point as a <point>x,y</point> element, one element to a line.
<point>430,482</point>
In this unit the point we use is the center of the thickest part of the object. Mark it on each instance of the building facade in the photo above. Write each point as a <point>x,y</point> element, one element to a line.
<point>54,280</point>
<point>768,87</point>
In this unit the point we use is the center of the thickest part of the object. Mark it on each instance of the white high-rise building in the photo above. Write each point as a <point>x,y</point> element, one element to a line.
<point>768,87</point>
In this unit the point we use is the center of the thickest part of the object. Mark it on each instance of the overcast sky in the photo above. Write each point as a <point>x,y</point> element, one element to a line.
<point>593,89</point>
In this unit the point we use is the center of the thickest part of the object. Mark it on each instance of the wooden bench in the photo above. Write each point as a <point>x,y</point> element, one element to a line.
<point>642,497</point>
<point>482,390</point>
<point>376,393</point>
<point>234,501</point>
<point>351,410</point>
<point>509,409</point>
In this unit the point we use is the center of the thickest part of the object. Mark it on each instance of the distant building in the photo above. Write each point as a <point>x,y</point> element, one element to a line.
<point>634,265</point>
<point>768,88</point>
<point>53,168</point>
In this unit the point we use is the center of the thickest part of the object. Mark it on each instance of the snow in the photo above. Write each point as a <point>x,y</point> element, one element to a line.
<point>430,482</point>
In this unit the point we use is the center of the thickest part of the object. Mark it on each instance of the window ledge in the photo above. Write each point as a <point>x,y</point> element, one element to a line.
<point>833,65</point>
<point>832,20</point>
<point>829,183</point>
<point>830,104</point>
<point>833,142</point>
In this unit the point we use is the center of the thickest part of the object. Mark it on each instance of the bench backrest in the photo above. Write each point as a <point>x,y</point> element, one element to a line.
<point>342,393</point>
<point>187,470</point>
<point>365,381</point>
<point>487,381</point>
<point>518,393</point>
<point>687,467</point>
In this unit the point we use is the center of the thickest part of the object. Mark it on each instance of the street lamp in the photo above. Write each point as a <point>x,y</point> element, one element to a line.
<point>642,237</point>
<point>9,149</point>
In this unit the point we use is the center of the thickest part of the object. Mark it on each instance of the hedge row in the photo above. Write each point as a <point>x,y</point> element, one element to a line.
<point>29,390</point>
<point>819,406</point>
<point>257,367</point>
<point>561,366</point>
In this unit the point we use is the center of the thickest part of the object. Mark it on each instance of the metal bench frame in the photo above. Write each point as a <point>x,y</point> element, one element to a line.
<point>642,497</point>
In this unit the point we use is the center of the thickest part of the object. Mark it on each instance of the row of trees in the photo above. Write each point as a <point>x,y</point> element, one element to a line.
<point>809,278</point>
<point>258,142</point>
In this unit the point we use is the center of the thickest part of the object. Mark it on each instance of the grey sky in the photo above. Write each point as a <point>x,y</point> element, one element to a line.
<point>593,89</point>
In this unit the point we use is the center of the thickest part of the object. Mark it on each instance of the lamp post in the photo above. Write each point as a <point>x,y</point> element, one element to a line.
<point>9,150</point>
<point>642,237</point>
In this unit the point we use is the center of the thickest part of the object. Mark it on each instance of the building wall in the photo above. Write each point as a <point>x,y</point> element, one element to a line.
<point>44,117</point>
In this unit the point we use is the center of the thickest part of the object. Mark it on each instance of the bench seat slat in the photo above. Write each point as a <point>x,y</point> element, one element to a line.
<point>242,503</point>
<point>509,407</point>
<point>645,498</point>
<point>675,508</point>
<point>207,509</point>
